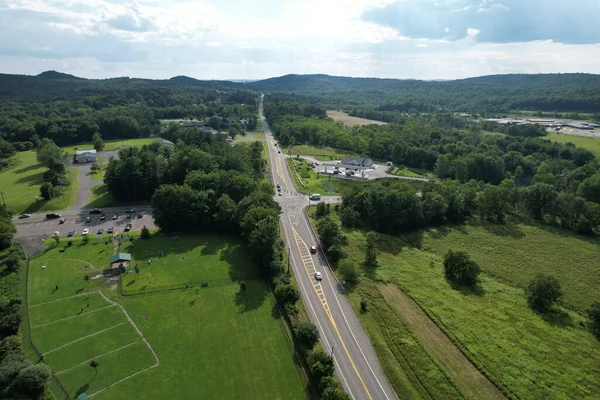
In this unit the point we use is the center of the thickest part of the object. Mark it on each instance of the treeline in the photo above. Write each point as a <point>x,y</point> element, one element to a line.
<point>19,379</point>
<point>484,95</point>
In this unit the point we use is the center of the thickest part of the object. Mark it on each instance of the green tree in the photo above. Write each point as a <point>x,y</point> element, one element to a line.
<point>286,294</point>
<point>33,379</point>
<point>225,217</point>
<point>594,315</point>
<point>332,238</point>
<point>48,152</point>
<point>46,190</point>
<point>243,286</point>
<point>590,188</point>
<point>307,334</point>
<point>98,142</point>
<point>371,251</point>
<point>459,268</point>
<point>94,364</point>
<point>543,292</point>
<point>7,231</point>
<point>13,362</point>
<point>539,199</point>
<point>145,232</point>
<point>321,366</point>
<point>347,269</point>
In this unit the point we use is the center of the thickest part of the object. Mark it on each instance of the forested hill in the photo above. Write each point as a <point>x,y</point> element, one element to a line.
<point>487,94</point>
<point>52,86</point>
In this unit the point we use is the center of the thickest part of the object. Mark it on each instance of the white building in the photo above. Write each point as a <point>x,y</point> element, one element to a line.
<point>83,156</point>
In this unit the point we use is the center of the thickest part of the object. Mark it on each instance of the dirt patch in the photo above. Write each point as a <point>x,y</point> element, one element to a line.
<point>465,376</point>
<point>351,121</point>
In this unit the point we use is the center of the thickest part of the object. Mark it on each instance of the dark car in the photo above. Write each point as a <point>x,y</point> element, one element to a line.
<point>100,231</point>
<point>53,215</point>
<point>24,215</point>
<point>127,228</point>
<point>131,210</point>
<point>140,216</point>
<point>96,211</point>
<point>110,230</point>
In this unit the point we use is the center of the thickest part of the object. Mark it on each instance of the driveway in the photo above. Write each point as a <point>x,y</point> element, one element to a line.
<point>86,183</point>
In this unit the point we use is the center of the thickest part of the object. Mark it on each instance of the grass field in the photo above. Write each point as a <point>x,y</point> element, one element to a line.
<point>110,145</point>
<point>405,172</point>
<point>526,354</point>
<point>211,343</point>
<point>591,144</point>
<point>20,184</point>
<point>320,153</point>
<point>315,183</point>
<point>351,121</point>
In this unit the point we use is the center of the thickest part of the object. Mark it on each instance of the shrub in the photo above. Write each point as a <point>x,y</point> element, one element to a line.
<point>33,379</point>
<point>10,368</point>
<point>364,306</point>
<point>145,232</point>
<point>286,294</point>
<point>459,268</point>
<point>543,292</point>
<point>348,271</point>
<point>307,334</point>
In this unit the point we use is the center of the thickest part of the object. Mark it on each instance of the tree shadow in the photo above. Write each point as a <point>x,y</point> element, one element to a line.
<point>211,247</point>
<point>508,228</point>
<point>476,290</point>
<point>82,390</point>
<point>238,270</point>
<point>35,206</point>
<point>131,282</point>
<point>254,296</point>
<point>27,169</point>
<point>34,179</point>
<point>558,318</point>
<point>79,291</point>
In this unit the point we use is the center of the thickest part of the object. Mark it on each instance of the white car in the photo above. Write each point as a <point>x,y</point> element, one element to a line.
<point>313,249</point>
<point>318,276</point>
<point>85,231</point>
<point>55,234</point>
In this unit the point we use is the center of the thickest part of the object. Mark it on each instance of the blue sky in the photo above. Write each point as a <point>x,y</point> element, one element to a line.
<point>228,39</point>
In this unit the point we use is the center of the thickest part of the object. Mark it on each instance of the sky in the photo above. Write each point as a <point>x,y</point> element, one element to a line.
<point>229,39</point>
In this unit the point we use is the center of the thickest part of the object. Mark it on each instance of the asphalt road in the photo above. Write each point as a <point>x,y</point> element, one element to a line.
<point>340,331</point>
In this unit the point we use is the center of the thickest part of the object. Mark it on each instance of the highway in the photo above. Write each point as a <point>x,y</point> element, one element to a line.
<point>340,331</point>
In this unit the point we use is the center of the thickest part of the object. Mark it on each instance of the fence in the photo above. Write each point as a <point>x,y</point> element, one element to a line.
<point>180,286</point>
<point>26,332</point>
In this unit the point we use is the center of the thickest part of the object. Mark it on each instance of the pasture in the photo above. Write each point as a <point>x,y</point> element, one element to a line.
<point>213,342</point>
<point>525,354</point>
<point>589,143</point>
<point>20,184</point>
<point>351,121</point>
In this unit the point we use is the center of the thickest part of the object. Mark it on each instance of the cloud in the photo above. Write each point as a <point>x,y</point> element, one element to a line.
<point>498,22</point>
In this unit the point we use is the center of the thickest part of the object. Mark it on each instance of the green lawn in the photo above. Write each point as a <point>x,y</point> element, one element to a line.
<point>100,197</point>
<point>405,172</point>
<point>111,145</point>
<point>591,144</point>
<point>529,355</point>
<point>213,344</point>
<point>193,258</point>
<point>20,184</point>
<point>320,153</point>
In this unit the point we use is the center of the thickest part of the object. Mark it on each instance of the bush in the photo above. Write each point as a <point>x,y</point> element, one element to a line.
<point>9,345</point>
<point>307,334</point>
<point>320,366</point>
<point>286,294</point>
<point>10,368</point>
<point>347,269</point>
<point>459,268</point>
<point>11,263</point>
<point>145,232</point>
<point>543,292</point>
<point>594,314</point>
<point>364,306</point>
<point>10,317</point>
<point>33,379</point>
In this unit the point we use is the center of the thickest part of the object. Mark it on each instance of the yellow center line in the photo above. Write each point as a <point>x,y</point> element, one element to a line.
<point>280,171</point>
<point>299,240</point>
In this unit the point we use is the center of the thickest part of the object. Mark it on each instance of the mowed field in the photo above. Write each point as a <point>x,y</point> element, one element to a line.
<point>210,343</point>
<point>21,182</point>
<point>320,153</point>
<point>351,121</point>
<point>588,143</point>
<point>525,354</point>
<point>110,145</point>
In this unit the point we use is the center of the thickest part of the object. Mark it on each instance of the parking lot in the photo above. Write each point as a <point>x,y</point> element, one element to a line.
<point>78,224</point>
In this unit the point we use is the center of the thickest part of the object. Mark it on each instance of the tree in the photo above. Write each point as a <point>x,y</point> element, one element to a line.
<point>46,190</point>
<point>320,365</point>
<point>594,314</point>
<point>97,141</point>
<point>590,188</point>
<point>543,292</point>
<point>13,362</point>
<point>332,238</point>
<point>332,392</point>
<point>321,210</point>
<point>11,263</point>
<point>348,271</point>
<point>371,252</point>
<point>48,152</point>
<point>33,379</point>
<point>307,334</point>
<point>243,286</point>
<point>538,199</point>
<point>459,268</point>
<point>145,232</point>
<point>286,294</point>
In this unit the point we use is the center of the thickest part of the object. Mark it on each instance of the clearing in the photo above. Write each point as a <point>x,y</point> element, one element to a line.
<point>589,143</point>
<point>20,184</point>
<point>204,342</point>
<point>111,145</point>
<point>351,121</point>
<point>525,354</point>
<point>320,153</point>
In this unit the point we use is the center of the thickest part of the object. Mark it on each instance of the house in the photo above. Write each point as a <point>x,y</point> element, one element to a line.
<point>357,162</point>
<point>82,156</point>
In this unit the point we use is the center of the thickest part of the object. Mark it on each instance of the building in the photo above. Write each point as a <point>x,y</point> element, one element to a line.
<point>118,264</point>
<point>357,162</point>
<point>166,142</point>
<point>83,156</point>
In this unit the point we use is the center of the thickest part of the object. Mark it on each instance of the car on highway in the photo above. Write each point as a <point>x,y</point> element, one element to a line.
<point>318,276</point>
<point>313,249</point>
<point>62,221</point>
<point>100,231</point>
<point>52,215</point>
<point>103,217</point>
<point>88,219</point>
<point>71,233</point>
<point>24,215</point>
<point>55,234</point>
<point>130,211</point>
<point>96,211</point>
<point>114,217</point>
<point>279,193</point>
<point>110,230</point>
<point>279,151</point>
<point>85,231</point>
<point>127,228</point>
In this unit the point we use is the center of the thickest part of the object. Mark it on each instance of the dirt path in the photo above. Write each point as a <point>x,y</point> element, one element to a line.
<point>465,376</point>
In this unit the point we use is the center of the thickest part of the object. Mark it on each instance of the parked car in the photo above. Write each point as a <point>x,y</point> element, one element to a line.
<point>96,211</point>
<point>62,221</point>
<point>114,217</point>
<point>85,231</point>
<point>318,276</point>
<point>128,216</point>
<point>103,217</point>
<point>88,219</point>
<point>100,231</point>
<point>127,228</point>
<point>110,230</point>
<point>313,249</point>
<point>279,151</point>
<point>55,234</point>
<point>140,216</point>
<point>52,215</point>
<point>24,215</point>
<point>71,233</point>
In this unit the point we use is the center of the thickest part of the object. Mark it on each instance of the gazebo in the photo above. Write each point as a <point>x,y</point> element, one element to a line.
<point>119,262</point>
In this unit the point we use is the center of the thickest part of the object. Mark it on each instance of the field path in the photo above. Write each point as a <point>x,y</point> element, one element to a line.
<point>465,376</point>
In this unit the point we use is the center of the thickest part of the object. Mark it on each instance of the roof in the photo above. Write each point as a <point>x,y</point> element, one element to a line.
<point>85,151</point>
<point>120,257</point>
<point>166,142</point>
<point>357,161</point>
